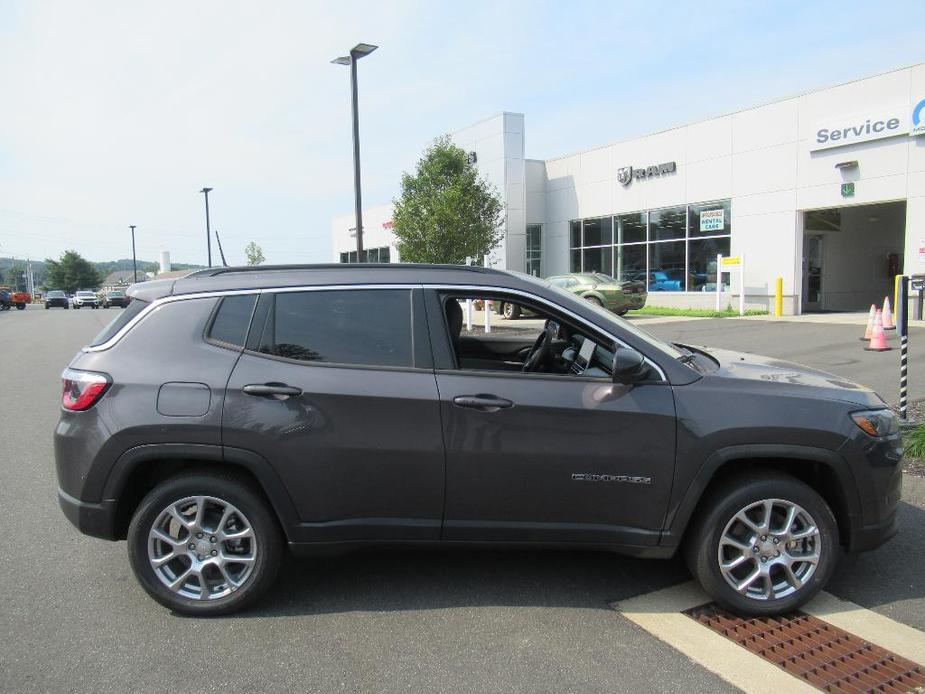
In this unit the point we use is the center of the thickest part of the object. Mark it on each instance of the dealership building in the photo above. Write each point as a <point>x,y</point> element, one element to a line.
<point>825,189</point>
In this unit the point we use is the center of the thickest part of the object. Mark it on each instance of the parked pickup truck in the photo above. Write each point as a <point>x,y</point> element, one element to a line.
<point>18,299</point>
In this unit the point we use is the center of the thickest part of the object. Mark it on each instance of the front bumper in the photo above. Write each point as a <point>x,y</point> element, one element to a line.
<point>95,519</point>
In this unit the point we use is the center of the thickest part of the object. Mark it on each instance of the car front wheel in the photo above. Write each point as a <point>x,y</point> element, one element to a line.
<point>204,544</point>
<point>763,544</point>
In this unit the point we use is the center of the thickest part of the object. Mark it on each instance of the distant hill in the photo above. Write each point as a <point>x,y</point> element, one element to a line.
<point>40,268</point>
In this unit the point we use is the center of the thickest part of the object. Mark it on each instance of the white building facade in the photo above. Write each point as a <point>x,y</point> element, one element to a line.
<point>826,190</point>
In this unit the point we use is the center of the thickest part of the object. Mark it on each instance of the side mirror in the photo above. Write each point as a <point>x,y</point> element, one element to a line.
<point>629,366</point>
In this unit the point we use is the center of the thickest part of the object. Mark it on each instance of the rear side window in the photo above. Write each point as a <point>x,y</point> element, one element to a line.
<point>371,327</point>
<point>232,319</point>
<point>120,321</point>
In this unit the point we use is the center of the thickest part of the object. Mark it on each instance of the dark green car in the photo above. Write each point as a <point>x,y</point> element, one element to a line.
<point>604,290</point>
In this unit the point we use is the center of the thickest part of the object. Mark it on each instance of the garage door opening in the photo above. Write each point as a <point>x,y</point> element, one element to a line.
<point>851,255</point>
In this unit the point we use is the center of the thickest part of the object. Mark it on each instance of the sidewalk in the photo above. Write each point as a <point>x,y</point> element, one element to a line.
<point>858,318</point>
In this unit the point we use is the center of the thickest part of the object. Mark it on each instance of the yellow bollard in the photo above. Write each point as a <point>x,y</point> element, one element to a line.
<point>896,280</point>
<point>779,297</point>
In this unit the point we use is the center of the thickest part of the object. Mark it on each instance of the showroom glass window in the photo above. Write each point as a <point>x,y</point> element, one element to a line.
<point>534,250</point>
<point>672,249</point>
<point>373,255</point>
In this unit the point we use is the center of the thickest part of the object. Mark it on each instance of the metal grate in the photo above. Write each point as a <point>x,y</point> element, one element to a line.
<point>824,656</point>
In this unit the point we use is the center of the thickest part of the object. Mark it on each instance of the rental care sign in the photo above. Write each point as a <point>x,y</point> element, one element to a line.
<point>848,130</point>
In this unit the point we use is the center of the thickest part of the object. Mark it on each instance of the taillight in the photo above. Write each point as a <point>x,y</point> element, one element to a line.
<point>82,389</point>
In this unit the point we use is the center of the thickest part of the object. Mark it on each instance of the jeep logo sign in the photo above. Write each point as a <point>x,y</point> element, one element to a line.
<point>626,174</point>
<point>848,130</point>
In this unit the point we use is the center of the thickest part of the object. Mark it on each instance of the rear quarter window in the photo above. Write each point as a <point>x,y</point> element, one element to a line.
<point>120,321</point>
<point>232,319</point>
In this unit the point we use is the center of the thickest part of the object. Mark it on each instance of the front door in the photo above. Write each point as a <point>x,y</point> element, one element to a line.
<point>549,457</point>
<point>812,273</point>
<point>339,396</point>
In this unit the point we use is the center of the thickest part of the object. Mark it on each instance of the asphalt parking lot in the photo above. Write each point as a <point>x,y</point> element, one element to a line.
<point>73,618</point>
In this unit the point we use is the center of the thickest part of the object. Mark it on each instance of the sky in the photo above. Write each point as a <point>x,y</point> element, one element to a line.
<point>118,113</point>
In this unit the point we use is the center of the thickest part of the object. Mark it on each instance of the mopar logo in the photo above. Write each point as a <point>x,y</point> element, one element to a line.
<point>593,477</point>
<point>626,174</point>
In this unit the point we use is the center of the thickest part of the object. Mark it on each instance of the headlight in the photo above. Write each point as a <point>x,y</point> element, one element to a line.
<point>876,422</point>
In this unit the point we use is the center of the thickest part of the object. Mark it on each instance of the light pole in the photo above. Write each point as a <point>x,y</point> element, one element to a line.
<point>357,52</point>
<point>205,191</point>
<point>134,263</point>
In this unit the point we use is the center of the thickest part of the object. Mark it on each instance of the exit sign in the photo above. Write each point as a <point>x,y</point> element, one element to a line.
<point>847,190</point>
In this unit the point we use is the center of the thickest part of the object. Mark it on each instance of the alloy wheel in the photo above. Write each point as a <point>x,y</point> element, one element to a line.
<point>769,550</point>
<point>202,548</point>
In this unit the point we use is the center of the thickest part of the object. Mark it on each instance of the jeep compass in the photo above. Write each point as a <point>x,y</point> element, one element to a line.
<point>228,417</point>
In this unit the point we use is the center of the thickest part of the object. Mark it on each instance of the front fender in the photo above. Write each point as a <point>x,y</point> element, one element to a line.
<point>680,514</point>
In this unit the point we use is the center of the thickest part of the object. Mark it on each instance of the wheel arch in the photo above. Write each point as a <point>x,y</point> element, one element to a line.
<point>823,470</point>
<point>140,469</point>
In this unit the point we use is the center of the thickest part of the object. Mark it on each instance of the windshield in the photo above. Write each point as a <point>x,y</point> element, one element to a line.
<point>115,293</point>
<point>55,294</point>
<point>601,277</point>
<point>609,320</point>
<point>85,294</point>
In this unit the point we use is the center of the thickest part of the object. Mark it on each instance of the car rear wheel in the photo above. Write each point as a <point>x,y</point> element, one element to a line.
<point>204,544</point>
<point>511,311</point>
<point>594,300</point>
<point>763,545</point>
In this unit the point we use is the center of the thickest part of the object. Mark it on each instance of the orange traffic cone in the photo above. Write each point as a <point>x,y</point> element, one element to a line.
<point>887,315</point>
<point>869,331</point>
<point>878,339</point>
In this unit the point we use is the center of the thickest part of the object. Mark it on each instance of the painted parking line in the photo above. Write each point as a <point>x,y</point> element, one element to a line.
<point>661,614</point>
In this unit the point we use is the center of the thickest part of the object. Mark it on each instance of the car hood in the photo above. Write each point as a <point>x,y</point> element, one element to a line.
<point>785,374</point>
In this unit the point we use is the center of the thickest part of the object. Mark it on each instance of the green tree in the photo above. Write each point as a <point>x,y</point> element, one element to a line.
<point>446,213</point>
<point>72,272</point>
<point>254,254</point>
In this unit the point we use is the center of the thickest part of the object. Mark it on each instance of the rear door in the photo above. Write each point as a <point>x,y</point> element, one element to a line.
<point>550,458</point>
<point>336,390</point>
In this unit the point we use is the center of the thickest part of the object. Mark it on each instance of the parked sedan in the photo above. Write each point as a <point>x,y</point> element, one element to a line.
<point>115,297</point>
<point>56,298</point>
<point>604,290</point>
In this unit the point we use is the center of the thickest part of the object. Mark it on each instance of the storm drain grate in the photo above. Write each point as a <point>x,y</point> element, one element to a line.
<point>824,656</point>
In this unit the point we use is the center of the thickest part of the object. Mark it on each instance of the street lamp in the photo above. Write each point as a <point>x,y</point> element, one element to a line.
<point>205,191</point>
<point>357,52</point>
<point>134,263</point>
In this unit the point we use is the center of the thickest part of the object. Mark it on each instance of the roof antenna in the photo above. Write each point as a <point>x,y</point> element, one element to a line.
<point>220,251</point>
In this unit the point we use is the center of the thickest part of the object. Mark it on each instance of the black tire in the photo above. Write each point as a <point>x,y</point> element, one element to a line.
<point>510,311</point>
<point>622,313</point>
<point>232,490</point>
<point>717,509</point>
<point>594,300</point>
<point>20,307</point>
<point>46,307</point>
<point>76,307</point>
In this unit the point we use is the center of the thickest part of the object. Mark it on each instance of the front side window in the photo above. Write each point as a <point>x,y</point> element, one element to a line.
<point>364,327</point>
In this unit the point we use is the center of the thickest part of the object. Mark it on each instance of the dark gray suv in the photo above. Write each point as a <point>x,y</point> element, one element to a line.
<point>236,412</point>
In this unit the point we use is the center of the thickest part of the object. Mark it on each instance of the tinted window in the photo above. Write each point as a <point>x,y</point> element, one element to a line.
<point>370,327</point>
<point>121,320</point>
<point>55,295</point>
<point>232,319</point>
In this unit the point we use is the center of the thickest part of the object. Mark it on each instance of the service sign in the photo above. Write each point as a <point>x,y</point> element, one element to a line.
<point>712,220</point>
<point>839,131</point>
<point>731,262</point>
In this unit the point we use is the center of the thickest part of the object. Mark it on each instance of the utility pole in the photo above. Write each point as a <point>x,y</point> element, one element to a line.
<point>134,262</point>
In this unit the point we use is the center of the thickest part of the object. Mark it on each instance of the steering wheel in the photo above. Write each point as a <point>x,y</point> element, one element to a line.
<point>539,353</point>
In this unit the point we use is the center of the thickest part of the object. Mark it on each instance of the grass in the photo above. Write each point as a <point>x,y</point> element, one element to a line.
<point>694,312</point>
<point>915,443</point>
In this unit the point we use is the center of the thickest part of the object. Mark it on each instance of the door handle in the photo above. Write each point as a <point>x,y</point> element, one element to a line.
<point>483,403</point>
<point>277,390</point>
